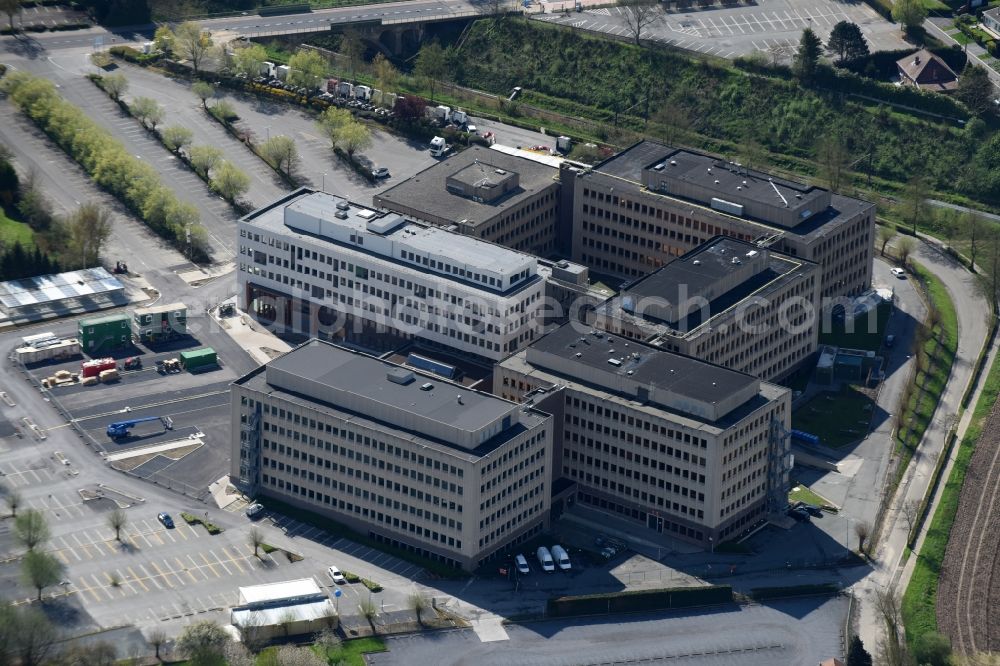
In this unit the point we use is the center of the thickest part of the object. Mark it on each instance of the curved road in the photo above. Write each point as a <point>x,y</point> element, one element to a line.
<point>973,328</point>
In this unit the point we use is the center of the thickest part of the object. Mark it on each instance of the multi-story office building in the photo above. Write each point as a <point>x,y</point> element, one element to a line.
<point>670,442</point>
<point>727,302</point>
<point>408,459</point>
<point>321,265</point>
<point>487,194</point>
<point>652,203</point>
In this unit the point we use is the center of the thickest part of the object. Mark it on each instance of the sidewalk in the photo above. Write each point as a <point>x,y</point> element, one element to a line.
<point>256,340</point>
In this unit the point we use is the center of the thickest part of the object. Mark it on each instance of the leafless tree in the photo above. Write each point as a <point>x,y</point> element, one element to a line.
<point>892,647</point>
<point>157,638</point>
<point>886,233</point>
<point>909,512</point>
<point>638,15</point>
<point>13,501</point>
<point>418,604</point>
<point>256,539</point>
<point>117,520</point>
<point>904,248</point>
<point>862,530</point>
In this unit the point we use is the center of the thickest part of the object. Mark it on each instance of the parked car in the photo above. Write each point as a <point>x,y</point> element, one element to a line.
<point>167,521</point>
<point>561,557</point>
<point>545,559</point>
<point>898,272</point>
<point>380,172</point>
<point>522,564</point>
<point>336,576</point>
<point>254,510</point>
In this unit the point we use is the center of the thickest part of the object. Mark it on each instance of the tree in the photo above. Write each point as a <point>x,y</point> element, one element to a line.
<point>256,539</point>
<point>975,89</point>
<point>857,655</point>
<point>910,509</point>
<point>204,90</point>
<point>148,111</point>
<point>13,500</point>
<point>176,137</point>
<point>10,7</point>
<point>192,42</point>
<point>115,85</point>
<point>34,636</point>
<point>223,110</point>
<point>352,48</point>
<point>386,74</point>
<point>915,200</point>
<point>847,42</point>
<point>100,59</point>
<point>117,520</point>
<point>41,570</point>
<point>638,15</point>
<point>973,226</point>
<point>237,654</point>
<point>807,57</point>
<point>862,530</point>
<point>332,120</point>
<point>834,159</point>
<point>157,638</point>
<point>203,642</point>
<point>431,65</point>
<point>31,529</point>
<point>369,610</point>
<point>229,181</point>
<point>908,13</point>
<point>904,248</point>
<point>248,60</point>
<point>163,39</point>
<point>893,649</point>
<point>280,150</point>
<point>101,653</point>
<point>204,158</point>
<point>353,137</point>
<point>409,109</point>
<point>886,233</point>
<point>290,655</point>
<point>307,68</point>
<point>89,228</point>
<point>418,604</point>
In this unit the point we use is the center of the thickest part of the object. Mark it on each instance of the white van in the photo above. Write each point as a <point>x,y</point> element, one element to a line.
<point>545,559</point>
<point>522,564</point>
<point>561,557</point>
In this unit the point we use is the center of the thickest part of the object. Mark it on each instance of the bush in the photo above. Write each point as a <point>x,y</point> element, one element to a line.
<point>371,585</point>
<point>135,56</point>
<point>69,26</point>
<point>351,577</point>
<point>639,600</point>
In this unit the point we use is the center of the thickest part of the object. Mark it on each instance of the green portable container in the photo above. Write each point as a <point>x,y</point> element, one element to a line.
<point>100,335</point>
<point>199,359</point>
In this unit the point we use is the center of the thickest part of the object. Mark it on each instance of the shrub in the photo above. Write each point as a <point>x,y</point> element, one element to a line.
<point>351,577</point>
<point>371,585</point>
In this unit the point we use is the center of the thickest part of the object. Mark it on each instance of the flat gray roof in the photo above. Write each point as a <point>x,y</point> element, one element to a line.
<point>683,275</point>
<point>429,198</point>
<point>679,374</point>
<point>367,376</point>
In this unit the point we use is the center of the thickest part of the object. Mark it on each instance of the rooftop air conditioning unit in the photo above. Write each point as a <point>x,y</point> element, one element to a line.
<point>343,205</point>
<point>341,214</point>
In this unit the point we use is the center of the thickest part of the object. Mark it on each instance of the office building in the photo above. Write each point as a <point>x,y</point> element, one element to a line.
<point>669,442</point>
<point>727,302</point>
<point>406,458</point>
<point>487,194</point>
<point>651,203</point>
<point>319,265</point>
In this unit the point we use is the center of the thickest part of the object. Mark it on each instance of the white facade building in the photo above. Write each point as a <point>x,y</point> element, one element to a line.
<point>321,265</point>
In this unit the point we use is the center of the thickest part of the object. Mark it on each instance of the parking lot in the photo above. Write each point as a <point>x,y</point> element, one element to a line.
<point>773,26</point>
<point>48,16</point>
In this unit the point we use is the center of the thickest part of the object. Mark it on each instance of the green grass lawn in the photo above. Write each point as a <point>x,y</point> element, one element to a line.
<point>836,418</point>
<point>960,37</point>
<point>800,493</point>
<point>858,335</point>
<point>352,652</point>
<point>12,232</point>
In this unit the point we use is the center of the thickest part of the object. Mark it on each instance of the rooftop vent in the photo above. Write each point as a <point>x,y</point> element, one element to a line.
<point>615,362</point>
<point>673,162</point>
<point>696,262</point>
<point>710,169</point>
<point>744,182</point>
<point>500,172</point>
<point>399,376</point>
<point>578,354</point>
<point>629,372</point>
<point>736,260</point>
<point>343,205</point>
<point>716,181</point>
<point>427,386</point>
<point>340,214</point>
<point>659,167</point>
<point>459,399</point>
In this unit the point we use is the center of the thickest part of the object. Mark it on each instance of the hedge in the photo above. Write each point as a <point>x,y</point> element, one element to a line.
<point>111,166</point>
<point>136,56</point>
<point>639,600</point>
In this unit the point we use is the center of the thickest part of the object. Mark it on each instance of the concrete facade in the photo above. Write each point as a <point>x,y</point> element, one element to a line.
<point>320,265</point>
<point>641,209</point>
<point>674,444</point>
<point>727,302</point>
<point>406,458</point>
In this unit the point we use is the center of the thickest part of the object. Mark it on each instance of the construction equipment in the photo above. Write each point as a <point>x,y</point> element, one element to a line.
<point>133,363</point>
<point>97,366</point>
<point>168,365</point>
<point>120,429</point>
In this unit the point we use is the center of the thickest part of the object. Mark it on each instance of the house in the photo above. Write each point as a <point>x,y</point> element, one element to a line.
<point>991,20</point>
<point>927,71</point>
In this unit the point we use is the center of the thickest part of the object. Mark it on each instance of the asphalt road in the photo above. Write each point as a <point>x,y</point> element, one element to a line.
<point>766,25</point>
<point>796,632</point>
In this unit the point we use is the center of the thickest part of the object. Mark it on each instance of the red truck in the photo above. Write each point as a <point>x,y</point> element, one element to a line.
<point>95,367</point>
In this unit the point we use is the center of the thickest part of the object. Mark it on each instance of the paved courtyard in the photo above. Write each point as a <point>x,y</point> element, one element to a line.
<point>772,26</point>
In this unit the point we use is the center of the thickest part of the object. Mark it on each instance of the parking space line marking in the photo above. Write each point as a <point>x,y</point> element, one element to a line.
<point>234,559</point>
<point>221,563</point>
<point>101,587</point>
<point>124,582</point>
<point>161,574</point>
<point>150,577</point>
<point>210,565</point>
<point>763,29</point>
<point>185,569</point>
<point>201,568</point>
<point>86,587</point>
<point>138,579</point>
